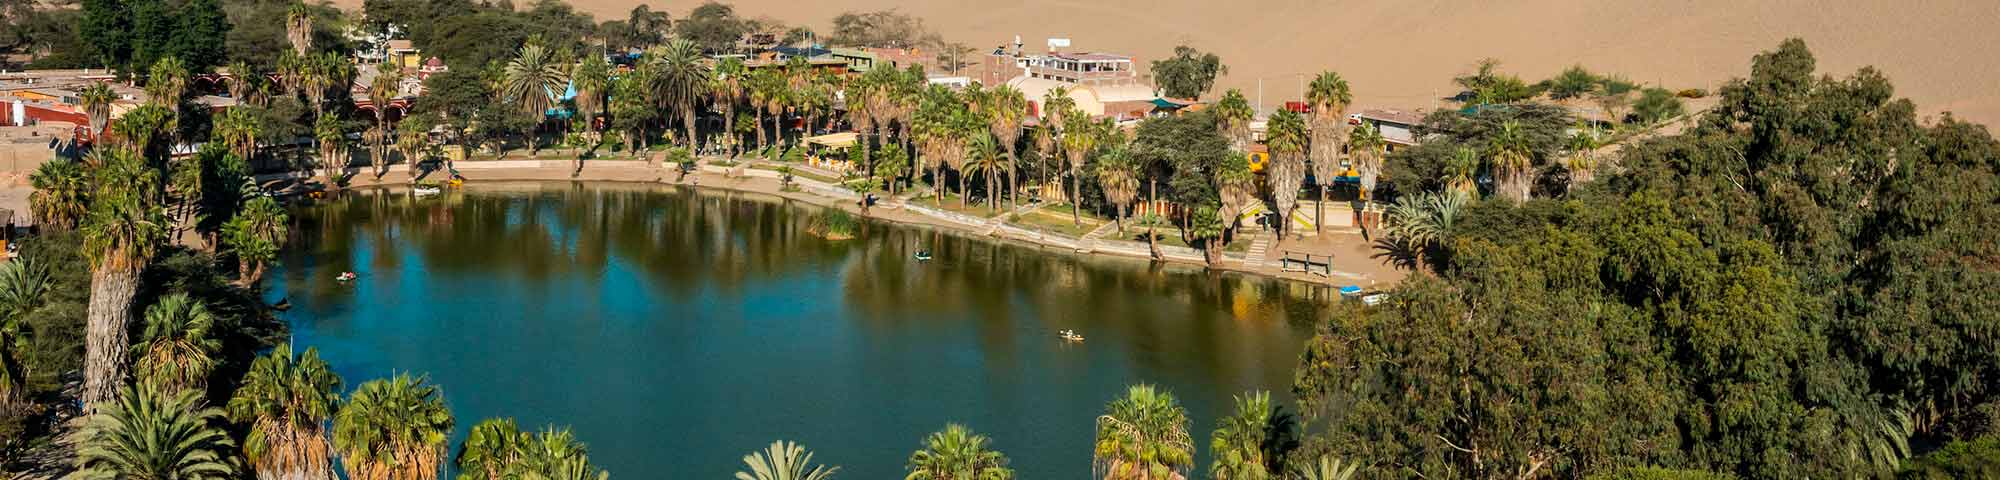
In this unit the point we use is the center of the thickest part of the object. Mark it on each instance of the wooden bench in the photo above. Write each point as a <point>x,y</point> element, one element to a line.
<point>1321,265</point>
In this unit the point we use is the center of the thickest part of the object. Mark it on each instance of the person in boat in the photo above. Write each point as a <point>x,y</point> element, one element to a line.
<point>923,255</point>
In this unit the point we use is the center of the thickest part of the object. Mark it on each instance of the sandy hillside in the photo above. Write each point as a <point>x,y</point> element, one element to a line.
<point>1403,53</point>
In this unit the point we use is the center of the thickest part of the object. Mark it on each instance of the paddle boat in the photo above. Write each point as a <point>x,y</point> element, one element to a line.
<point>425,191</point>
<point>345,277</point>
<point>923,255</point>
<point>1070,336</point>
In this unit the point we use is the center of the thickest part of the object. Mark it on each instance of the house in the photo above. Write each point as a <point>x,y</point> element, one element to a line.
<point>1101,84</point>
<point>401,55</point>
<point>1397,126</point>
<point>863,59</point>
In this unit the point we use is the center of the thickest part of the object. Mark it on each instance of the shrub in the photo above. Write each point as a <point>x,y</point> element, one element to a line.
<point>1656,105</point>
<point>1691,93</point>
<point>1978,458</point>
<point>833,224</point>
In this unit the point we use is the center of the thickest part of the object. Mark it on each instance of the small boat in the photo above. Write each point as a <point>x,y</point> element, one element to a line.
<point>426,191</point>
<point>345,277</point>
<point>924,256</point>
<point>1070,336</point>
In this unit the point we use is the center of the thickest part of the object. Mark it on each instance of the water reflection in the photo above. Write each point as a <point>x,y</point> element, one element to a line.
<point>708,324</point>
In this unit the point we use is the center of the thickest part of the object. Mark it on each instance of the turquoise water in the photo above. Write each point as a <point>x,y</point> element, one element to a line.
<point>677,331</point>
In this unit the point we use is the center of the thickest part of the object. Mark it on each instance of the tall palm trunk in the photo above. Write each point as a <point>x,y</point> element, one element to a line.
<point>111,292</point>
<point>1075,199</point>
<point>962,194</point>
<point>1152,238</point>
<point>759,113</point>
<point>729,130</point>
<point>992,191</point>
<point>687,122</point>
<point>1319,209</point>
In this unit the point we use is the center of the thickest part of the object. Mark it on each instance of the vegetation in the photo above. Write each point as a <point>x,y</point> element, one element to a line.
<point>956,453</point>
<point>784,461</point>
<point>1187,74</point>
<point>1755,285</point>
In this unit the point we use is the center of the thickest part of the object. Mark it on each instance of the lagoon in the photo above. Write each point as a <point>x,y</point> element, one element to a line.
<point>677,330</point>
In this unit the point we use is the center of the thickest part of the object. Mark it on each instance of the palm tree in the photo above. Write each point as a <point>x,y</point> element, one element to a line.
<point>125,226</point>
<point>381,92</point>
<point>150,434</point>
<point>1251,444</point>
<point>1513,161</point>
<point>167,82</point>
<point>1365,145</point>
<point>1329,468</point>
<point>784,460</point>
<point>1080,138</point>
<point>772,96</point>
<point>555,454</point>
<point>727,88</point>
<point>1006,109</point>
<point>396,428</point>
<point>144,129</point>
<point>1235,113</point>
<point>1287,137</point>
<point>96,102</point>
<point>680,78</point>
<point>24,287</point>
<point>238,128</point>
<point>1329,97</point>
<point>255,234</point>
<point>286,401</point>
<point>984,157</point>
<point>956,453</point>
<point>492,449</point>
<point>592,80</point>
<point>62,193</point>
<point>298,28</point>
<point>1143,436</point>
<point>1236,186</point>
<point>1582,161</point>
<point>1055,104</point>
<point>1460,170</point>
<point>240,85</point>
<point>1419,224</point>
<point>1118,174</point>
<point>293,68</point>
<point>322,75</point>
<point>414,142</point>
<point>332,149</point>
<point>533,80</point>
<point>176,352</point>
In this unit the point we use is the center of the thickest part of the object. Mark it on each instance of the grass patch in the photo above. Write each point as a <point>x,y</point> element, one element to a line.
<point>950,204</point>
<point>1056,218</point>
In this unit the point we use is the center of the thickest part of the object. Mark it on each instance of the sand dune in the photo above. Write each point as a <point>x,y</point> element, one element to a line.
<point>1403,53</point>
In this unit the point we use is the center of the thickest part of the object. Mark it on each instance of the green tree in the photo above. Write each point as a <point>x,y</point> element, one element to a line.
<point>1081,137</point>
<point>24,288</point>
<point>1513,162</point>
<point>1328,468</point>
<point>1189,73</point>
<point>177,351</point>
<point>1235,113</point>
<point>1006,111</point>
<point>713,27</point>
<point>395,428</point>
<point>96,102</point>
<point>331,138</point>
<point>534,79</point>
<point>1656,105</point>
<point>592,79</point>
<point>61,197</point>
<point>255,234</point>
<point>123,230</point>
<point>1287,138</point>
<point>784,460</point>
<point>1118,175</point>
<point>956,453</point>
<point>492,450</point>
<point>680,79</point>
<point>1419,225</point>
<point>1251,444</point>
<point>891,165</point>
<point>1143,435</point>
<point>148,434</point>
<point>1329,96</point>
<point>286,401</point>
<point>1367,149</point>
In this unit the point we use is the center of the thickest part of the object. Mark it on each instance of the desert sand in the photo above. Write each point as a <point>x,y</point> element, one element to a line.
<point>1402,54</point>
